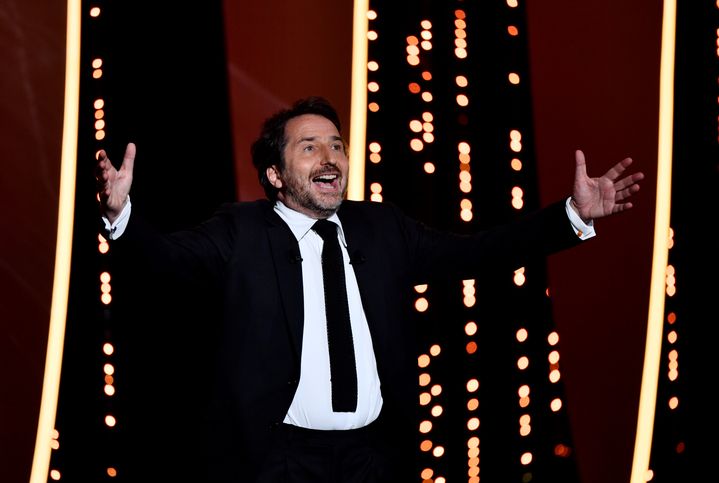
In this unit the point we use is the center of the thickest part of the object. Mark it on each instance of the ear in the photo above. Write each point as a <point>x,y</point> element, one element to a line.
<point>273,176</point>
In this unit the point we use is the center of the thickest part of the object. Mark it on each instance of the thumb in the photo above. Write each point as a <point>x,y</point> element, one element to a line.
<point>580,166</point>
<point>128,161</point>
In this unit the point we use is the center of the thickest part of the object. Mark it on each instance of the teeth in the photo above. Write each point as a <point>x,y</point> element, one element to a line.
<point>326,177</point>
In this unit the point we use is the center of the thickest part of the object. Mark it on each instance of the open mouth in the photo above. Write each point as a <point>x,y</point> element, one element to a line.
<point>326,181</point>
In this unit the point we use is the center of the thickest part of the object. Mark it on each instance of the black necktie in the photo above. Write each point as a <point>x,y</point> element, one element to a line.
<point>339,331</point>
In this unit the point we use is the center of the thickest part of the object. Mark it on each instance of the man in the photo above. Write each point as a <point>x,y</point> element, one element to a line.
<point>276,409</point>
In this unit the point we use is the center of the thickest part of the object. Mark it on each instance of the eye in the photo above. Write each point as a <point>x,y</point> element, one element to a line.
<point>308,148</point>
<point>337,147</point>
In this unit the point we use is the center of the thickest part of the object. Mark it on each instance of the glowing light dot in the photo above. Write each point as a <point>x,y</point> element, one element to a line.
<point>425,427</point>
<point>556,404</point>
<point>416,145</point>
<point>522,335</point>
<point>423,360</point>
<point>98,104</point>
<point>426,24</point>
<point>55,475</point>
<point>371,14</point>
<point>512,3</point>
<point>372,65</point>
<point>472,385</point>
<point>427,96</point>
<point>516,164</point>
<point>373,86</point>
<point>473,424</point>
<point>376,197</point>
<point>415,125</point>
<point>435,350</point>
<point>375,188</point>
<point>373,107</point>
<point>513,78</point>
<point>523,363</point>
<point>110,420</point>
<point>526,458</point>
<point>553,338</point>
<point>470,328</point>
<point>372,35</point>
<point>95,12</point>
<point>460,53</point>
<point>436,390</point>
<point>438,451</point>
<point>421,305</point>
<point>462,100</point>
<point>554,375</point>
<point>429,168</point>
<point>471,347</point>
<point>512,30</point>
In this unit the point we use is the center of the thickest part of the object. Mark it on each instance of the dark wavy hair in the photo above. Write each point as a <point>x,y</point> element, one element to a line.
<point>269,148</point>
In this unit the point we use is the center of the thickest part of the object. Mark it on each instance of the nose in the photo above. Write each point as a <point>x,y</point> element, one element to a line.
<point>327,156</point>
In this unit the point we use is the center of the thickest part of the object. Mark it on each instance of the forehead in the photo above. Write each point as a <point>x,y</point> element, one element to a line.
<point>309,126</point>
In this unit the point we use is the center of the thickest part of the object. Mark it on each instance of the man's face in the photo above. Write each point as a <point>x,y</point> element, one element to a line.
<point>314,178</point>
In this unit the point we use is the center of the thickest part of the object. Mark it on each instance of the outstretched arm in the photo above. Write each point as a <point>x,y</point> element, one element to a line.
<point>113,186</point>
<point>598,197</point>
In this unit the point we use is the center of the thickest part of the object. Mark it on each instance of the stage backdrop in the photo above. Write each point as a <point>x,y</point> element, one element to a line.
<point>594,73</point>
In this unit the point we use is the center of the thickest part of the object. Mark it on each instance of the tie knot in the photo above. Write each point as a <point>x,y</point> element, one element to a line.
<point>325,229</point>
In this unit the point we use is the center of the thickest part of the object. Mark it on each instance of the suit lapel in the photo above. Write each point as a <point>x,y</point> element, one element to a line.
<point>288,267</point>
<point>362,245</point>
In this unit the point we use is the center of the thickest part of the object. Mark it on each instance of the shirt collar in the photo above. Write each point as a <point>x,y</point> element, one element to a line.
<point>300,223</point>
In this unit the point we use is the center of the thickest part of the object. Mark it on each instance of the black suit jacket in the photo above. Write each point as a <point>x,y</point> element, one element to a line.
<point>251,258</point>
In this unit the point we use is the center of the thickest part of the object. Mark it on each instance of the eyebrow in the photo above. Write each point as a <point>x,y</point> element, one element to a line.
<point>314,138</point>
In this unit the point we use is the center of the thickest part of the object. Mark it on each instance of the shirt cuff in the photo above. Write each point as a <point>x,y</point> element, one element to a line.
<point>583,230</point>
<point>115,230</point>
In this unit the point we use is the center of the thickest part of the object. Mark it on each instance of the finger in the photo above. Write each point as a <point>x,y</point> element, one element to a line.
<point>628,181</point>
<point>626,192</point>
<point>616,171</point>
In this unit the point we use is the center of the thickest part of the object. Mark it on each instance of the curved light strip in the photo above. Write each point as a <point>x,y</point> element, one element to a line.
<point>63,249</point>
<point>655,319</point>
<point>358,108</point>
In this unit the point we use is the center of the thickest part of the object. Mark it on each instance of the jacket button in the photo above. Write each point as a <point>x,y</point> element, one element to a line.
<point>292,382</point>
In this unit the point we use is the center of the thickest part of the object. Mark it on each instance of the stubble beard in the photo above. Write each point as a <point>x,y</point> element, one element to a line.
<point>302,196</point>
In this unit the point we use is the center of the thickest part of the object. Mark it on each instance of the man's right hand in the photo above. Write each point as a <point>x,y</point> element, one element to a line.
<point>113,186</point>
